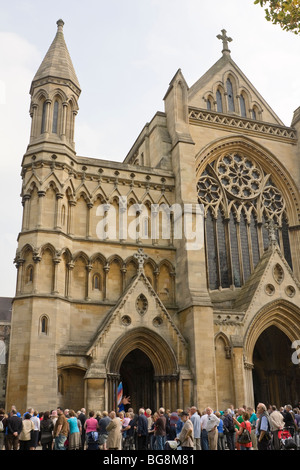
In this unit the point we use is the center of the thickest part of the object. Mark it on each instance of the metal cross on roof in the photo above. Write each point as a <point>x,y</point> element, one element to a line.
<point>225,40</point>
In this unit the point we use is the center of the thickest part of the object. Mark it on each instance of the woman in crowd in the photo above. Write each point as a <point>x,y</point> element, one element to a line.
<point>47,427</point>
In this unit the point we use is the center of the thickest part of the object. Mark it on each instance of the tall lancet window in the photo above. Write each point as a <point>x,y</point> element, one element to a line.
<point>239,199</point>
<point>55,118</point>
<point>219,102</point>
<point>242,106</point>
<point>43,128</point>
<point>230,96</point>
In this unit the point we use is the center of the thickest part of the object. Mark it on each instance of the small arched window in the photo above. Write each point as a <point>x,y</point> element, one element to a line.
<point>253,113</point>
<point>29,274</point>
<point>44,325</point>
<point>219,102</point>
<point>230,96</point>
<point>55,118</point>
<point>96,282</point>
<point>243,106</point>
<point>208,105</point>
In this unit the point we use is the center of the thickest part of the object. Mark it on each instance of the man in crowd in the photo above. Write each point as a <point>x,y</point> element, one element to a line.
<point>196,421</point>
<point>61,431</point>
<point>160,430</point>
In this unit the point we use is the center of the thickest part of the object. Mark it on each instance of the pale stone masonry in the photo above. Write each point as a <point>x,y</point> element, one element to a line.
<point>178,326</point>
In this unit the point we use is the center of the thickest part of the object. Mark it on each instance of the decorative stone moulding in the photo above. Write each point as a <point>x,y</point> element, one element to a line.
<point>157,321</point>
<point>269,289</point>
<point>278,273</point>
<point>141,304</point>
<point>290,291</point>
<point>126,320</point>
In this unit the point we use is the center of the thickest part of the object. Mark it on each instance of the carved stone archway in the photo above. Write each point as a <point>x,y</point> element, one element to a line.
<point>166,374</point>
<point>280,314</point>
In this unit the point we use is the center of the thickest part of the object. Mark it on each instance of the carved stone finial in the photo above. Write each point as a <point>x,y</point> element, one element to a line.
<point>141,258</point>
<point>271,229</point>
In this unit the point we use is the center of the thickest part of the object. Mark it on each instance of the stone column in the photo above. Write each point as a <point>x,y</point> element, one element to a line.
<point>41,195</point>
<point>36,259</point>
<point>33,115</point>
<point>88,271</point>
<point>88,223</point>
<point>70,266</point>
<point>26,206</point>
<point>238,370</point>
<point>64,119</point>
<point>57,222</point>
<point>106,271</point>
<point>19,265</point>
<point>70,229</point>
<point>249,400</point>
<point>56,262</point>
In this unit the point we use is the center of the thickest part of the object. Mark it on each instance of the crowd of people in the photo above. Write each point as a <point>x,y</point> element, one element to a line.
<point>191,429</point>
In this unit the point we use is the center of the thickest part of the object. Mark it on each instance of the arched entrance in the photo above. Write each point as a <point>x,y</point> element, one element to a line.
<point>137,376</point>
<point>276,380</point>
<point>272,377</point>
<point>148,366</point>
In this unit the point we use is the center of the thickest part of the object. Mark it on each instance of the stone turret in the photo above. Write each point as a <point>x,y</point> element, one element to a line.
<point>54,95</point>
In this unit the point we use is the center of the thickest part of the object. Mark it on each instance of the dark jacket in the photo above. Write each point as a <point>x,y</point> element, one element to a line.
<point>142,425</point>
<point>14,424</point>
<point>228,423</point>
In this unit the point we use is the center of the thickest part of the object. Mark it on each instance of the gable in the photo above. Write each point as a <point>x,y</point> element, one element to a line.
<point>138,310</point>
<point>271,281</point>
<point>212,92</point>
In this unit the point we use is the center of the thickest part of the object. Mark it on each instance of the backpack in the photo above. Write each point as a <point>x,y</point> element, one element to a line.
<point>245,437</point>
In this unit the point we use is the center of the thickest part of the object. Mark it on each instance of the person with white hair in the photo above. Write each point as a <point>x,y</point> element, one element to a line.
<point>263,430</point>
<point>142,430</point>
<point>160,430</point>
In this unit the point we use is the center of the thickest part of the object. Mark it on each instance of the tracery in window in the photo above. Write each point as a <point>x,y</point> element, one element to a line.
<point>239,199</point>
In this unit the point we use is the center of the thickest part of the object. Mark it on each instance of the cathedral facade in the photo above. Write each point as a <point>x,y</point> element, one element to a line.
<point>174,272</point>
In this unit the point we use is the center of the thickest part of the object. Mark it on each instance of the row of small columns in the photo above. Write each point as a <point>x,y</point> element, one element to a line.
<point>70,216</point>
<point>36,126</point>
<point>69,274</point>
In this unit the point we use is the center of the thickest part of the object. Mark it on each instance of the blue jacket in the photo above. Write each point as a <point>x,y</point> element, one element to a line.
<point>142,425</point>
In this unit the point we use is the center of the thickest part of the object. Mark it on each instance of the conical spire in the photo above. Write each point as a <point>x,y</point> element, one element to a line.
<point>57,62</point>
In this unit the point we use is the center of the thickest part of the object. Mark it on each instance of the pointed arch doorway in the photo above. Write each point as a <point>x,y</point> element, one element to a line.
<point>149,371</point>
<point>276,379</point>
<point>137,376</point>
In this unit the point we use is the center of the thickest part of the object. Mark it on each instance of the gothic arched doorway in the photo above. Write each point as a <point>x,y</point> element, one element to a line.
<point>137,376</point>
<point>149,368</point>
<point>276,379</point>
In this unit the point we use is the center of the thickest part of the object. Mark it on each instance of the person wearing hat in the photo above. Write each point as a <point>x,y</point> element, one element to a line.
<point>186,436</point>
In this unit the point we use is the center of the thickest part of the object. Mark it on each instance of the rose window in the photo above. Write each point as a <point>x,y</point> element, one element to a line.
<point>239,176</point>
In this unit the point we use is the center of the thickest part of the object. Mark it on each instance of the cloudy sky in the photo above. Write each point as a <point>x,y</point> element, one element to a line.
<point>125,53</point>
